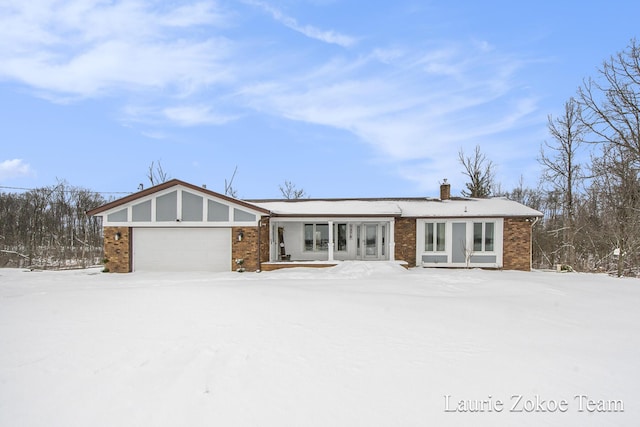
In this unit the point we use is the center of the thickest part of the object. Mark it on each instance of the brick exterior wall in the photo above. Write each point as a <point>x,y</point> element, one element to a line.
<point>248,247</point>
<point>264,239</point>
<point>405,239</point>
<point>516,247</point>
<point>244,249</point>
<point>117,252</point>
<point>517,244</point>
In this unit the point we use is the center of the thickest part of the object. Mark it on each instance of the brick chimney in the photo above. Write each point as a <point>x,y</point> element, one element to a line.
<point>445,190</point>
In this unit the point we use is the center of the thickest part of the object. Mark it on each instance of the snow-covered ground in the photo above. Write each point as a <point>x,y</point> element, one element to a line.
<point>360,344</point>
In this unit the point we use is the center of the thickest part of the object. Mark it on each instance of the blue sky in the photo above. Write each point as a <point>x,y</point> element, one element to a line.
<point>343,98</point>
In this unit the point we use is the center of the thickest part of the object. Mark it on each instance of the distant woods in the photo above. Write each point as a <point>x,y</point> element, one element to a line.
<point>589,188</point>
<point>48,228</point>
<point>592,207</point>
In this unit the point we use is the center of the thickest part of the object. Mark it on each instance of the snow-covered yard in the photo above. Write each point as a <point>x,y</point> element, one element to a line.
<point>360,344</point>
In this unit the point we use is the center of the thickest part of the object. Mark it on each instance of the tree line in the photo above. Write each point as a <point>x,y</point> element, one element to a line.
<point>591,203</point>
<point>592,209</point>
<point>48,228</point>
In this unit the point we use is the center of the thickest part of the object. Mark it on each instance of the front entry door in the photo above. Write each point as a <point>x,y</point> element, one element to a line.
<point>372,241</point>
<point>459,242</point>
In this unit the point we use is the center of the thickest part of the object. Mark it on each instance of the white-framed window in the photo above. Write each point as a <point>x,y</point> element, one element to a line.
<point>316,237</point>
<point>340,237</point>
<point>484,236</point>
<point>434,236</point>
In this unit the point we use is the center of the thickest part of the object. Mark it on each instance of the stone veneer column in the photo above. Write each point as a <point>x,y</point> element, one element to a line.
<point>246,249</point>
<point>265,242</point>
<point>405,240</point>
<point>517,244</point>
<point>117,252</point>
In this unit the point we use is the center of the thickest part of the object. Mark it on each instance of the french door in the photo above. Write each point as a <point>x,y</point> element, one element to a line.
<point>372,241</point>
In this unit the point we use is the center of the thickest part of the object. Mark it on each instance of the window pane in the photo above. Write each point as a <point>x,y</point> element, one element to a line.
<point>477,237</point>
<point>440,237</point>
<point>191,207</point>
<point>322,237</point>
<point>308,237</point>
<point>371,244</point>
<point>488,236</point>
<point>341,233</point>
<point>217,211</point>
<point>428,237</point>
<point>239,215</point>
<point>142,211</point>
<point>167,207</point>
<point>119,216</point>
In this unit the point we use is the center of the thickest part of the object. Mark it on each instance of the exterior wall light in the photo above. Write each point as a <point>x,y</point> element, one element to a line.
<point>240,236</point>
<point>117,236</point>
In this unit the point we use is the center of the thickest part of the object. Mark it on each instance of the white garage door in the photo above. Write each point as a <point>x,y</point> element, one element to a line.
<point>181,249</point>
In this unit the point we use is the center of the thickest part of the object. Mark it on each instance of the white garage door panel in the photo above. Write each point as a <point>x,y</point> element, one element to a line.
<point>181,249</point>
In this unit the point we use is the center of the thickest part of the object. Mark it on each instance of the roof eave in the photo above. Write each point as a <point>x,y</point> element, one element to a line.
<point>335,215</point>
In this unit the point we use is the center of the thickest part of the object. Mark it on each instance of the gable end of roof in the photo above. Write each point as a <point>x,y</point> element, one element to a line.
<point>169,184</point>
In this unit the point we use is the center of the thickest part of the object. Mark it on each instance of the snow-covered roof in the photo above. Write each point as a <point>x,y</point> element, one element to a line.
<point>493,207</point>
<point>330,207</point>
<point>413,207</point>
<point>367,207</point>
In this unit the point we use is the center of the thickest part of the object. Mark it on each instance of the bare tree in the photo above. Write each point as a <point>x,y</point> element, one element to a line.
<point>156,174</point>
<point>228,185</point>
<point>611,105</point>
<point>592,222</point>
<point>611,112</point>
<point>48,227</point>
<point>467,252</point>
<point>480,172</point>
<point>290,191</point>
<point>617,183</point>
<point>562,170</point>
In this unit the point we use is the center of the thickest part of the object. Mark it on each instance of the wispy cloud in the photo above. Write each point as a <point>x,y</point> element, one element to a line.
<point>183,115</point>
<point>154,134</point>
<point>326,36</point>
<point>412,107</point>
<point>193,115</point>
<point>15,168</point>
<point>86,48</point>
<point>121,65</point>
<point>174,65</point>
